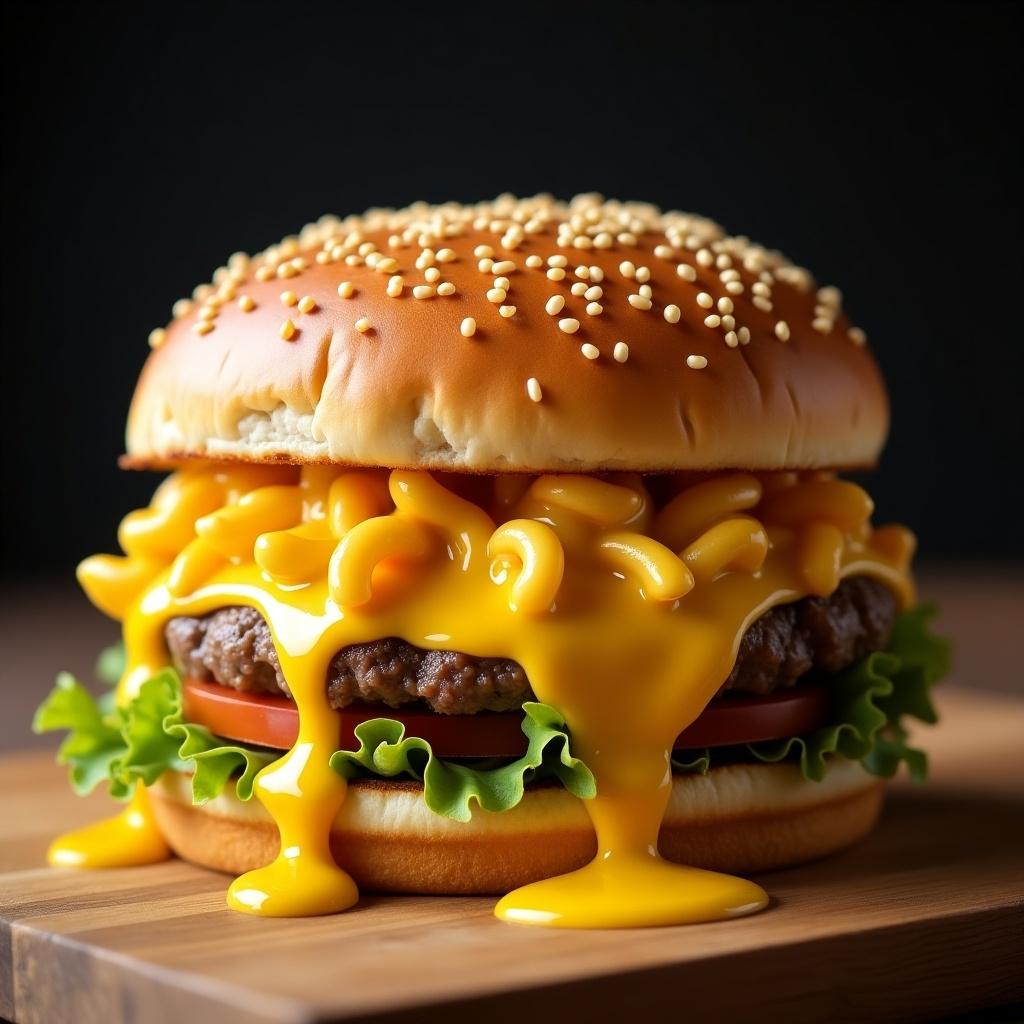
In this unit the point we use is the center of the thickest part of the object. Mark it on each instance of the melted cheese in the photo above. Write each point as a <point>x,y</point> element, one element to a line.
<point>576,578</point>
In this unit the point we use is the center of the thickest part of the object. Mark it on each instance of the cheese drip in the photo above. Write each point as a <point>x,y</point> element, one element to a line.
<point>578,578</point>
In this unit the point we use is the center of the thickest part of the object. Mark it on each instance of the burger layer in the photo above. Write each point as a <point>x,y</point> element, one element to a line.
<point>742,818</point>
<point>233,647</point>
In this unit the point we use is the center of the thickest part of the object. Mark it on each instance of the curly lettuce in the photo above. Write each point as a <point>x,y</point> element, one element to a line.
<point>149,736</point>
<point>870,702</point>
<point>141,741</point>
<point>123,746</point>
<point>451,789</point>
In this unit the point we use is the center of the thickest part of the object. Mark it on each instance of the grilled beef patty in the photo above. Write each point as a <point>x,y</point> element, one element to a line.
<point>233,647</point>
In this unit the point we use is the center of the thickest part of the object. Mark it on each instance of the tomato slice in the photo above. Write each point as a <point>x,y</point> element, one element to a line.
<point>267,721</point>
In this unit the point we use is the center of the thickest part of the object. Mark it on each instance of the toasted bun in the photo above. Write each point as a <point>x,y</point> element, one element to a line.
<point>612,379</point>
<point>741,818</point>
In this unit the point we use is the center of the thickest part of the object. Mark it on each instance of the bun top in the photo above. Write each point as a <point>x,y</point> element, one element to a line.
<point>519,334</point>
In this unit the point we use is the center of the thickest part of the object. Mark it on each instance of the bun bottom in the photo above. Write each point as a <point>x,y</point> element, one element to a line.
<point>740,818</point>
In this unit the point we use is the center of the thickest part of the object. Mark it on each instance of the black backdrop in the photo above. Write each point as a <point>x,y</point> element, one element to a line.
<point>876,144</point>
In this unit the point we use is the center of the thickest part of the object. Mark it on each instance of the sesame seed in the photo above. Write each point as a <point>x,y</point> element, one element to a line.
<point>626,238</point>
<point>386,265</point>
<point>621,352</point>
<point>423,291</point>
<point>501,282</point>
<point>558,260</point>
<point>782,331</point>
<point>729,275</point>
<point>760,288</point>
<point>594,309</point>
<point>346,289</point>
<point>157,337</point>
<point>307,304</point>
<point>507,311</point>
<point>287,330</point>
<point>596,275</point>
<point>181,308</point>
<point>445,255</point>
<point>468,327</point>
<point>432,274</point>
<point>627,269</point>
<point>579,288</point>
<point>554,305</point>
<point>704,300</point>
<point>568,325</point>
<point>362,325</point>
<point>696,362</point>
<point>713,320</point>
<point>264,273</point>
<point>725,305</point>
<point>704,257</point>
<point>395,285</point>
<point>823,324</point>
<point>209,313</point>
<point>857,336</point>
<point>289,298</point>
<point>732,339</point>
<point>556,274</point>
<point>663,252</point>
<point>496,295</point>
<point>744,335</point>
<point>446,288</point>
<point>534,261</point>
<point>762,303</point>
<point>643,274</point>
<point>673,313</point>
<point>603,240</point>
<point>485,265</point>
<point>202,327</point>
<point>686,272</point>
<point>582,272</point>
<point>287,270</point>
<point>593,293</point>
<point>645,291</point>
<point>590,351</point>
<point>483,250</point>
<point>246,304</point>
<point>734,287</point>
<point>639,301</point>
<point>503,267</point>
<point>533,390</point>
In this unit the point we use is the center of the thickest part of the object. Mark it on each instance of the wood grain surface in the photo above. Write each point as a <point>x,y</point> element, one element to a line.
<point>925,918</point>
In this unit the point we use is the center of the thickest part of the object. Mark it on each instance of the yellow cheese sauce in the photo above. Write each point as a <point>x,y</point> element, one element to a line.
<point>625,618</point>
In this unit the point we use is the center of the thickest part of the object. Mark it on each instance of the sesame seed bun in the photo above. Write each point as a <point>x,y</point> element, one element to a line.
<point>738,818</point>
<point>513,335</point>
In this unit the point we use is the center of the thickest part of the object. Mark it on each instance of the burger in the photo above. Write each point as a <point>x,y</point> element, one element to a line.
<point>505,549</point>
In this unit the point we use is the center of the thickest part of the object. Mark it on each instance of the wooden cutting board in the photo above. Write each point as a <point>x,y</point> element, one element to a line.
<point>926,918</point>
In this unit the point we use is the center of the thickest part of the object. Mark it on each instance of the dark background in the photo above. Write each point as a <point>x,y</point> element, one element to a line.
<point>876,144</point>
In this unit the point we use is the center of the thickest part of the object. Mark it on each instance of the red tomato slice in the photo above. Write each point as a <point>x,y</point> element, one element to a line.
<point>266,721</point>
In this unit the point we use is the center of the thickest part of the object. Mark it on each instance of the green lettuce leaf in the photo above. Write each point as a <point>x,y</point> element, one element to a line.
<point>143,740</point>
<point>870,701</point>
<point>93,743</point>
<point>149,736</point>
<point>452,789</point>
<point>123,746</point>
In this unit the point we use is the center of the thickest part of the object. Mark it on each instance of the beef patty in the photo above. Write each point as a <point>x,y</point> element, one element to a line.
<point>233,647</point>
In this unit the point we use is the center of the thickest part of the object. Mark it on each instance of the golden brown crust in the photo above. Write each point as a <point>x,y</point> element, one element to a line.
<point>413,391</point>
<point>401,855</point>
